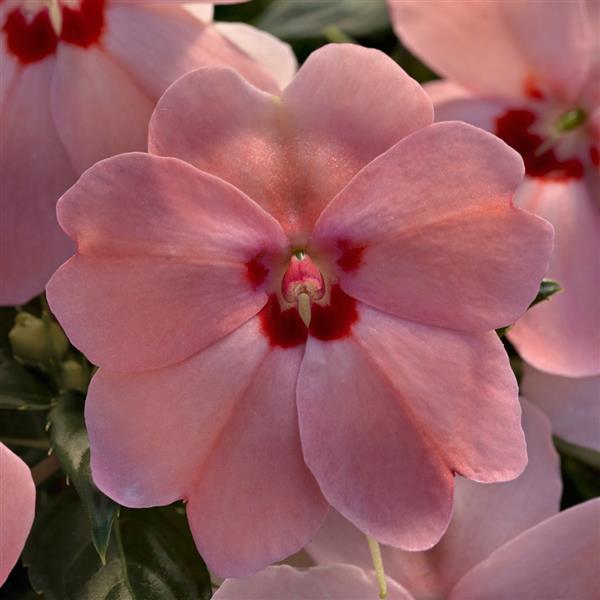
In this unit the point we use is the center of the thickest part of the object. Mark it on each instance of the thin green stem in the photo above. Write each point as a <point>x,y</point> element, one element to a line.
<point>378,566</point>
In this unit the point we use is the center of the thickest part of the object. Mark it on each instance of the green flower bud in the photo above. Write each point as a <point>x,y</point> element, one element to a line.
<point>74,375</point>
<point>37,340</point>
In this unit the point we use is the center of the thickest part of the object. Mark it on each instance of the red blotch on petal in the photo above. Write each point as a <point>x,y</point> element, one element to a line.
<point>30,41</point>
<point>351,258</point>
<point>84,26</point>
<point>513,127</point>
<point>595,155</point>
<point>532,89</point>
<point>256,272</point>
<point>283,328</point>
<point>334,321</point>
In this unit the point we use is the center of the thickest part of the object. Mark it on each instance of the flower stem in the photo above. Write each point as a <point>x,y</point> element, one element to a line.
<point>378,565</point>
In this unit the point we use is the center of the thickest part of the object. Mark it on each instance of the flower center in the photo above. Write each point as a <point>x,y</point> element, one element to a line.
<point>34,28</point>
<point>302,284</point>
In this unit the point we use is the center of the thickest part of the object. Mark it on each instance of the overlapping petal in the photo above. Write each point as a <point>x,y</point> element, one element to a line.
<point>293,154</point>
<point>500,47</point>
<point>562,336</point>
<point>339,582</point>
<point>438,245</point>
<point>17,506</point>
<point>163,250</point>
<point>485,517</point>
<point>556,559</point>
<point>236,456</point>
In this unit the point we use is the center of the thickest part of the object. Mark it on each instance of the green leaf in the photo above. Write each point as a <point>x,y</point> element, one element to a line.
<point>20,389</point>
<point>151,556</point>
<point>290,19</point>
<point>70,442</point>
<point>548,288</point>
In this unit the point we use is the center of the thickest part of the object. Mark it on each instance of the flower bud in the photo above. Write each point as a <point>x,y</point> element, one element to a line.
<point>74,375</point>
<point>37,340</point>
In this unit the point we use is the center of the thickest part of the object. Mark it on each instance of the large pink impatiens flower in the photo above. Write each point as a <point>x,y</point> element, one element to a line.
<point>78,82</point>
<point>530,73</point>
<point>17,507</point>
<point>505,541</point>
<point>292,302</point>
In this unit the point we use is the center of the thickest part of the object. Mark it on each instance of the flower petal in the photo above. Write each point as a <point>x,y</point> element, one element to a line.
<point>157,44</point>
<point>562,336</point>
<point>32,244</point>
<point>276,57</point>
<point>556,559</point>
<point>291,155</point>
<point>377,435</point>
<point>98,108</point>
<point>161,270</point>
<point>441,242</point>
<point>571,403</point>
<point>17,507</point>
<point>227,444</point>
<point>485,517</point>
<point>338,582</point>
<point>498,47</point>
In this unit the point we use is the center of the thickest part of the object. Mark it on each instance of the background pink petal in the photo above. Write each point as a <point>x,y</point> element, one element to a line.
<point>443,243</point>
<point>338,582</point>
<point>100,111</point>
<point>291,156</point>
<point>31,242</point>
<point>229,445</point>
<point>485,517</point>
<point>556,559</point>
<point>571,403</point>
<point>17,507</point>
<point>562,336</point>
<point>157,44</point>
<point>368,451</point>
<point>161,266</point>
<point>493,46</point>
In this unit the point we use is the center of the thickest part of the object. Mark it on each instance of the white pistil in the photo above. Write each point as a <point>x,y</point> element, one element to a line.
<point>55,13</point>
<point>378,566</point>
<point>303,304</point>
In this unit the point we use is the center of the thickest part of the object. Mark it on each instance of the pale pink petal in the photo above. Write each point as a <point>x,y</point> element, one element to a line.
<point>161,270</point>
<point>17,507</point>
<point>201,10</point>
<point>32,244</point>
<point>571,403</point>
<point>562,336</point>
<point>98,108</point>
<point>440,241</point>
<point>556,559</point>
<point>485,517</point>
<point>276,57</point>
<point>291,155</point>
<point>339,582</point>
<point>157,44</point>
<point>498,47</point>
<point>233,451</point>
<point>453,103</point>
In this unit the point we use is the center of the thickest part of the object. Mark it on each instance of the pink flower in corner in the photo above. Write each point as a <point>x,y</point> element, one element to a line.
<point>505,540</point>
<point>17,507</point>
<point>530,73</point>
<point>78,82</point>
<point>292,299</point>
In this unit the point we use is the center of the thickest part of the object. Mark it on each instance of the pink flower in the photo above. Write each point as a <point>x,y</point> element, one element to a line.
<point>506,540</point>
<point>17,507</point>
<point>293,299</point>
<point>78,82</point>
<point>529,72</point>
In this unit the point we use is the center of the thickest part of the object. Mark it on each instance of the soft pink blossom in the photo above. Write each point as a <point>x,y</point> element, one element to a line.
<point>71,98</point>
<point>337,205</point>
<point>524,70</point>
<point>17,507</point>
<point>505,541</point>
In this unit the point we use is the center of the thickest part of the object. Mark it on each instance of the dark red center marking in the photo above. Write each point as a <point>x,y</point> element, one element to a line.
<point>33,40</point>
<point>285,328</point>
<point>514,128</point>
<point>351,257</point>
<point>256,272</point>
